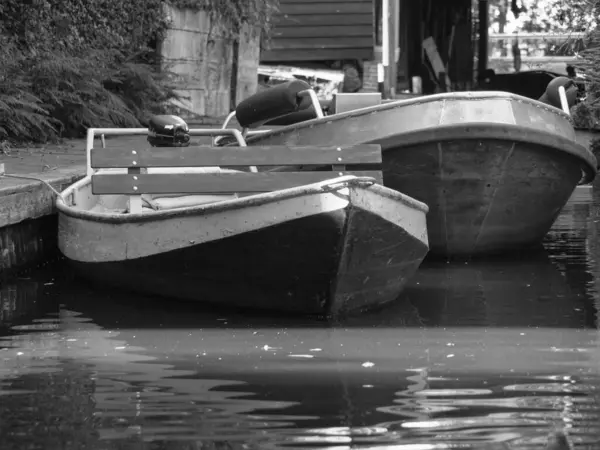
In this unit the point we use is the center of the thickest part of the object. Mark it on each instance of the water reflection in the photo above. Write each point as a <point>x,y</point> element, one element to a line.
<point>494,352</point>
<point>501,293</point>
<point>270,387</point>
<point>27,297</point>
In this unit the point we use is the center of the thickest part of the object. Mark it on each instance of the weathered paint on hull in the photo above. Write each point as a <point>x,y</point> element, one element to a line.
<point>378,259</point>
<point>322,254</point>
<point>296,266</point>
<point>494,168</point>
<point>485,197</point>
<point>242,270</point>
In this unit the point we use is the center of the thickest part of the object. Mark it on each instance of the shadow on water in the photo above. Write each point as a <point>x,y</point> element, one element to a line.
<point>490,354</point>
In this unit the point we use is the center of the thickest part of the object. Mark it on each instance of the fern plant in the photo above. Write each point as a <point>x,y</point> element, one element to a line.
<point>143,84</point>
<point>53,94</point>
<point>586,114</point>
<point>22,113</point>
<point>67,65</point>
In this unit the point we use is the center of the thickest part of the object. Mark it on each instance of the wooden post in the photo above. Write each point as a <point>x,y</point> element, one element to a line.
<point>483,37</point>
<point>390,10</point>
<point>442,81</point>
<point>385,45</point>
<point>234,74</point>
<point>248,57</point>
<point>393,19</point>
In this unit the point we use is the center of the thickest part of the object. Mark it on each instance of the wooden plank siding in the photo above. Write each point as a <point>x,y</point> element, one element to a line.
<point>317,30</point>
<point>200,58</point>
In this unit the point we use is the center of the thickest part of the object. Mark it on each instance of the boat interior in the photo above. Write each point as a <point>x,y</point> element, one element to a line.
<point>282,105</point>
<point>295,102</point>
<point>171,175</point>
<point>81,197</point>
<point>344,102</point>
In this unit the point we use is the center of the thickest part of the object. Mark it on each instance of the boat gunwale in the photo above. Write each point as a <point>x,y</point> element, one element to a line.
<point>453,96</point>
<point>225,205</point>
<point>504,132</point>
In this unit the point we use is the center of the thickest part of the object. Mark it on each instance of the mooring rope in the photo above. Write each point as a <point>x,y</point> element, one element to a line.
<point>57,193</point>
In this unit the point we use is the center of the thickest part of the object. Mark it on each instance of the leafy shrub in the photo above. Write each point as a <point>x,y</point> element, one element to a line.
<point>233,14</point>
<point>22,114</point>
<point>587,113</point>
<point>55,94</point>
<point>66,65</point>
<point>72,64</point>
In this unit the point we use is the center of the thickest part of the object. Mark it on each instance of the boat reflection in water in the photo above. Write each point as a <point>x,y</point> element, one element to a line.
<point>530,292</point>
<point>112,372</point>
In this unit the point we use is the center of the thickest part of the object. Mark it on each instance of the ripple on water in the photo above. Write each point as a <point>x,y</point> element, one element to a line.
<point>451,392</point>
<point>102,372</point>
<point>566,388</point>
<point>127,393</point>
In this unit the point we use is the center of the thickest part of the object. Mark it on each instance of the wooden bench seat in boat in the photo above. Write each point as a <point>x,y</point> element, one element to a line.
<point>163,201</point>
<point>175,177</point>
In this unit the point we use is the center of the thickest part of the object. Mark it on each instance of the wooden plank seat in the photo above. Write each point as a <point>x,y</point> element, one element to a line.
<point>189,171</point>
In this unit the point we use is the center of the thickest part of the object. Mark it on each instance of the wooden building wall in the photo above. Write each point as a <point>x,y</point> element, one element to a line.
<point>212,71</point>
<point>318,30</point>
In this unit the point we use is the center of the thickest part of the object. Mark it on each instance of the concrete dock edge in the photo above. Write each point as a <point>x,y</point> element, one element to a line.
<point>28,223</point>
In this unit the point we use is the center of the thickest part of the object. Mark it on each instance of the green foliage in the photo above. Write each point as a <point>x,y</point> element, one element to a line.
<point>66,65</point>
<point>56,94</point>
<point>556,15</point>
<point>562,16</point>
<point>22,114</point>
<point>75,25</point>
<point>543,15</point>
<point>587,113</point>
<point>595,147</point>
<point>233,14</point>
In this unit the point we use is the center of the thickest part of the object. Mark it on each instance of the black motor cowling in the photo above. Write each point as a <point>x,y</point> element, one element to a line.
<point>552,97</point>
<point>168,131</point>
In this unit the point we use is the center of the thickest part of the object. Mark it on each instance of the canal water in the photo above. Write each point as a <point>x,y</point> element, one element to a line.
<point>489,354</point>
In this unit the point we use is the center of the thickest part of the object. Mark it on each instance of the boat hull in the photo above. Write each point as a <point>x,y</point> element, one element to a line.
<point>309,255</point>
<point>494,168</point>
<point>486,195</point>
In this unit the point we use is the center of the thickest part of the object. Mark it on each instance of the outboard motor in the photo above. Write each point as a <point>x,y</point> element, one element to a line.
<point>168,131</point>
<point>551,96</point>
<point>531,84</point>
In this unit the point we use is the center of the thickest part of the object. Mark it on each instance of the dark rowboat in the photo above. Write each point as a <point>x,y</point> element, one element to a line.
<point>322,243</point>
<point>495,168</point>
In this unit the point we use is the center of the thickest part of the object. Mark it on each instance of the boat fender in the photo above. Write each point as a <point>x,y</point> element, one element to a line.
<point>551,96</point>
<point>295,117</point>
<point>277,101</point>
<point>300,116</point>
<point>168,131</point>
